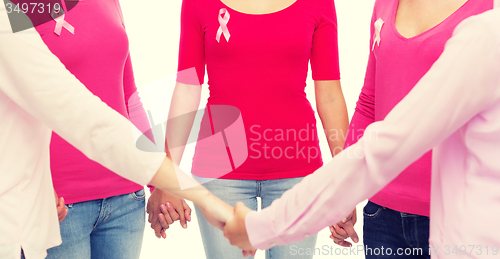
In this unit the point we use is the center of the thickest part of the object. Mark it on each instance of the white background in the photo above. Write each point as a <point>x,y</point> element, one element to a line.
<point>153,30</point>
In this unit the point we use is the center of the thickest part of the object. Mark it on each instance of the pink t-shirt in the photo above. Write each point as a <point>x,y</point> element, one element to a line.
<point>395,65</point>
<point>98,55</point>
<point>261,69</point>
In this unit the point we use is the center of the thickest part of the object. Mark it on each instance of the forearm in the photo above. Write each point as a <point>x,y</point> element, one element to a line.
<point>182,113</point>
<point>332,111</point>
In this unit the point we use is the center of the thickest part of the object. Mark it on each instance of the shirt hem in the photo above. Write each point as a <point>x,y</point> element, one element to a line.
<point>403,204</point>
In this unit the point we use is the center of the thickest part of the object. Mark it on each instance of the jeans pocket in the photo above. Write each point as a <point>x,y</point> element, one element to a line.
<point>372,210</point>
<point>139,195</point>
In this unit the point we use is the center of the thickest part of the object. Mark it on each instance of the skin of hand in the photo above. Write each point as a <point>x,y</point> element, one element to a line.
<point>345,229</point>
<point>169,178</point>
<point>61,207</point>
<point>164,209</point>
<point>217,212</point>
<point>236,232</point>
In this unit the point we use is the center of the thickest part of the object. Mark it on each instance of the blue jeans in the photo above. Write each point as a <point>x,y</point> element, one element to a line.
<point>392,234</point>
<point>110,228</point>
<point>247,191</point>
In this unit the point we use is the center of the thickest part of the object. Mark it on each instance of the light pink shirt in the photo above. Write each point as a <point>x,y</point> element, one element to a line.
<point>454,109</point>
<point>395,65</point>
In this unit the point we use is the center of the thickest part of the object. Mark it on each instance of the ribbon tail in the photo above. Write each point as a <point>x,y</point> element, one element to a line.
<point>70,28</point>
<point>219,33</point>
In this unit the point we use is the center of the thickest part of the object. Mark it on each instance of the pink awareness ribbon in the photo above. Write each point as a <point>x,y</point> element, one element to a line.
<point>60,22</point>
<point>223,20</point>
<point>378,29</point>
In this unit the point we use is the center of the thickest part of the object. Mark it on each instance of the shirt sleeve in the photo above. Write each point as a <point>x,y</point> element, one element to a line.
<point>325,47</point>
<point>135,109</point>
<point>35,79</point>
<point>192,45</point>
<point>364,113</point>
<point>462,83</point>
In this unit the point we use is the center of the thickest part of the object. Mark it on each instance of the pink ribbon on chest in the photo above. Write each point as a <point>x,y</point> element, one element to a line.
<point>223,21</point>
<point>378,30</point>
<point>60,22</point>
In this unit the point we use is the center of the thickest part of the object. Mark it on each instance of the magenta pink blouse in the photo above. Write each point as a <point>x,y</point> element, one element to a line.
<point>97,55</point>
<point>259,64</point>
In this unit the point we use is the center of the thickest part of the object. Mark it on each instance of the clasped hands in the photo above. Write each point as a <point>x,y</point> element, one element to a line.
<point>164,208</point>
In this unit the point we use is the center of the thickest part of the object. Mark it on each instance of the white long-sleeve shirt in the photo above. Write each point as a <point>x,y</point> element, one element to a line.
<point>454,110</point>
<point>38,95</point>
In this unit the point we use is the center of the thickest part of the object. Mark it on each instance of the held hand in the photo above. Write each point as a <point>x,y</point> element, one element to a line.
<point>236,232</point>
<point>61,207</point>
<point>345,229</point>
<point>163,209</point>
<point>216,212</point>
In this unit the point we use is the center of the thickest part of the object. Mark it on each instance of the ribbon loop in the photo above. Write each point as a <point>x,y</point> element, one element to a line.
<point>378,29</point>
<point>60,22</point>
<point>223,21</point>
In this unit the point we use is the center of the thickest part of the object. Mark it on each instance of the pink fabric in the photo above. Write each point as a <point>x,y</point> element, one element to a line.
<point>260,66</point>
<point>98,55</point>
<point>454,110</point>
<point>395,65</point>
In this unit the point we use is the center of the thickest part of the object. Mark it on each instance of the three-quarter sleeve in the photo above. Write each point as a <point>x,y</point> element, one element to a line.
<point>467,76</point>
<point>135,108</point>
<point>325,47</point>
<point>364,113</point>
<point>191,46</point>
<point>36,81</point>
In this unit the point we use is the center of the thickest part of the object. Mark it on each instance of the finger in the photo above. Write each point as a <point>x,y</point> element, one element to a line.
<point>157,230</point>
<point>166,214</point>
<point>339,232</point>
<point>253,253</point>
<point>163,234</point>
<point>187,210</point>
<point>349,229</point>
<point>61,209</point>
<point>182,216</point>
<point>63,215</point>
<point>163,222</point>
<point>169,209</point>
<point>150,213</point>
<point>341,242</point>
<point>245,253</point>
<point>60,205</point>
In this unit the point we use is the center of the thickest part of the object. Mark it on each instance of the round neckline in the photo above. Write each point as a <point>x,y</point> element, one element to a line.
<point>257,14</point>
<point>393,22</point>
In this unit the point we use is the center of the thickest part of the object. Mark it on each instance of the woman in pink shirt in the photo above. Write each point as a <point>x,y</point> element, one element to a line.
<point>257,55</point>
<point>407,38</point>
<point>105,211</point>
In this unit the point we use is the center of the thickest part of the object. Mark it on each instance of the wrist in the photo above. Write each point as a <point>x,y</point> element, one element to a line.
<point>204,199</point>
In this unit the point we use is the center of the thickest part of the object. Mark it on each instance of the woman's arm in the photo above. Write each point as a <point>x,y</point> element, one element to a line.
<point>185,100</point>
<point>462,83</point>
<point>332,111</point>
<point>37,82</point>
